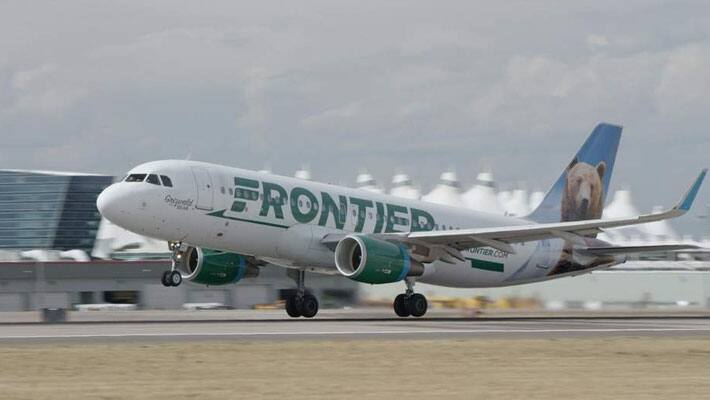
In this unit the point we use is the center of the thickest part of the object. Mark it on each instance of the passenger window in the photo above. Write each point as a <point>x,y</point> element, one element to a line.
<point>135,178</point>
<point>153,179</point>
<point>166,181</point>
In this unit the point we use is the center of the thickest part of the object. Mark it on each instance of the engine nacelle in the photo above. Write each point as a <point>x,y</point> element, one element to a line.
<point>369,260</point>
<point>212,267</point>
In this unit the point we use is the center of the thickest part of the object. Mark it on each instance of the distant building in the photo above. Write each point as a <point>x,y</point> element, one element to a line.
<point>482,196</point>
<point>303,173</point>
<point>365,181</point>
<point>518,205</point>
<point>447,192</point>
<point>622,206</point>
<point>402,187</point>
<point>536,199</point>
<point>49,210</point>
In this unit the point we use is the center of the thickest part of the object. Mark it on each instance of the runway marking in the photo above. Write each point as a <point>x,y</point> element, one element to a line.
<point>340,333</point>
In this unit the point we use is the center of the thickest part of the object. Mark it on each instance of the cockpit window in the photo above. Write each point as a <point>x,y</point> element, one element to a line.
<point>135,178</point>
<point>153,179</point>
<point>166,181</point>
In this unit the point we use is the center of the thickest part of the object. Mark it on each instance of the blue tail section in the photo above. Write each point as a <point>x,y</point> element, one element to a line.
<point>580,192</point>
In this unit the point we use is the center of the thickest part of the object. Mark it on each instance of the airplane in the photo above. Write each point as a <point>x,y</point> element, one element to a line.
<point>223,224</point>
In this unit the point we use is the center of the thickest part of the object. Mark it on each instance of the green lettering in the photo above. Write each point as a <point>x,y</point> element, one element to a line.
<point>297,202</point>
<point>329,207</point>
<point>362,206</point>
<point>379,217</point>
<point>250,183</point>
<point>244,190</point>
<point>421,220</point>
<point>394,219</point>
<point>276,201</point>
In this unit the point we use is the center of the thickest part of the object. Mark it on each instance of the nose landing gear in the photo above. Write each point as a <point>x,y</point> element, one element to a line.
<point>410,303</point>
<point>173,277</point>
<point>301,304</point>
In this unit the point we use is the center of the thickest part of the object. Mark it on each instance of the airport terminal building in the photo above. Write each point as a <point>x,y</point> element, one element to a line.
<point>49,210</point>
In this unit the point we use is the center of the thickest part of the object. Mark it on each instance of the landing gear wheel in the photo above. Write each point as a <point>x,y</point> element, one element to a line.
<point>401,308</point>
<point>292,307</point>
<point>165,279</point>
<point>308,306</point>
<point>301,303</point>
<point>417,305</point>
<point>175,278</point>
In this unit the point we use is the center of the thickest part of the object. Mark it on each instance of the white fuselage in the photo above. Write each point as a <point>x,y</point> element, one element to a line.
<point>282,220</point>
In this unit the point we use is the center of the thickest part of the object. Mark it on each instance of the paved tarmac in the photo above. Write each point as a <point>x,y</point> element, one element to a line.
<point>355,328</point>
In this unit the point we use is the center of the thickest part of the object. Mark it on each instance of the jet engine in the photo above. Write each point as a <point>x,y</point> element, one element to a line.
<point>369,260</point>
<point>213,267</point>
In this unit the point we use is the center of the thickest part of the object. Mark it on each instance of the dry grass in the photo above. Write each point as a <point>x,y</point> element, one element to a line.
<point>618,368</point>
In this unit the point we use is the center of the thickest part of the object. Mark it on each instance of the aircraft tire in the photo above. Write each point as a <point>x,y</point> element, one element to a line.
<point>401,308</point>
<point>417,305</point>
<point>308,306</point>
<point>292,308</point>
<point>165,279</point>
<point>175,278</point>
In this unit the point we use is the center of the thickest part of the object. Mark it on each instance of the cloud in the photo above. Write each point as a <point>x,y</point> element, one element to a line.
<point>402,84</point>
<point>597,41</point>
<point>40,90</point>
<point>685,78</point>
<point>332,116</point>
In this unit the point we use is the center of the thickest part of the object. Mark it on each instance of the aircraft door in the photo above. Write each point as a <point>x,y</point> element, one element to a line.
<point>205,193</point>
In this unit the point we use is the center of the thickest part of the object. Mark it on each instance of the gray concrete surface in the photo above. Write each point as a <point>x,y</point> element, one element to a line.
<point>341,313</point>
<point>278,328</point>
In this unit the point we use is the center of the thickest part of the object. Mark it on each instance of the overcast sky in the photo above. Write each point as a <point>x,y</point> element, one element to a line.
<point>515,86</point>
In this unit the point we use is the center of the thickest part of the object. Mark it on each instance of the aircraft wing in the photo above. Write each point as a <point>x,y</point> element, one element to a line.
<point>449,243</point>
<point>614,250</point>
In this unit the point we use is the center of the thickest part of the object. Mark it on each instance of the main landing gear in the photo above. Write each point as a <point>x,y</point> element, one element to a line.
<point>410,303</point>
<point>301,304</point>
<point>173,277</point>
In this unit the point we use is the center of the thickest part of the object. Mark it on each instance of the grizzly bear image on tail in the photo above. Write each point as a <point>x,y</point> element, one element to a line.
<point>583,195</point>
<point>582,199</point>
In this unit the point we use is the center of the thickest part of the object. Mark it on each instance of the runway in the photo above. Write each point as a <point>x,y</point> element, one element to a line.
<point>349,329</point>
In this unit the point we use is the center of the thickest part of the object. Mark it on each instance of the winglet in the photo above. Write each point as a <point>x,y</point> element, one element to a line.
<point>687,201</point>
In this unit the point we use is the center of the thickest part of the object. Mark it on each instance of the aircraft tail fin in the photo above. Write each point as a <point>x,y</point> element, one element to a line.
<point>580,192</point>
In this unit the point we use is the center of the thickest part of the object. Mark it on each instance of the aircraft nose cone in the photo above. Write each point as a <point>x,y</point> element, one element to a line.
<point>106,202</point>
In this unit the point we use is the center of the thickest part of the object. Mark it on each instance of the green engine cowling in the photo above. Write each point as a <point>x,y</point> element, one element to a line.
<point>213,267</point>
<point>365,259</point>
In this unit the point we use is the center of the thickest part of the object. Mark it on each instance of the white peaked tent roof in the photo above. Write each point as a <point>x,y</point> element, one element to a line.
<point>482,196</point>
<point>661,230</point>
<point>446,192</point>
<point>536,199</point>
<point>504,197</point>
<point>518,203</point>
<point>402,187</point>
<point>365,181</point>
<point>303,173</point>
<point>622,206</point>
